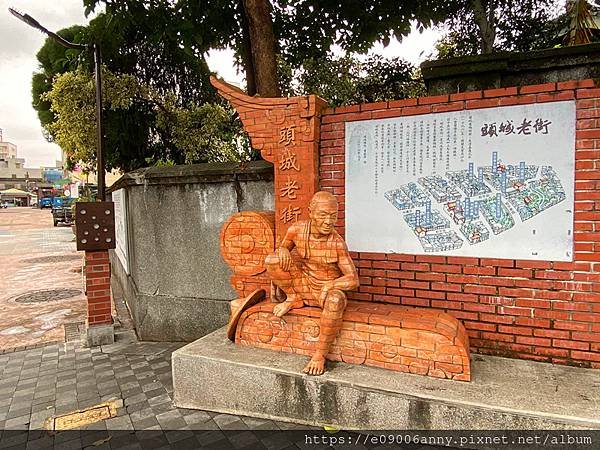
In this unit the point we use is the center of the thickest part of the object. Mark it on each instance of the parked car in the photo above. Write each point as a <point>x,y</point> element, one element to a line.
<point>61,212</point>
<point>3,205</point>
<point>46,202</point>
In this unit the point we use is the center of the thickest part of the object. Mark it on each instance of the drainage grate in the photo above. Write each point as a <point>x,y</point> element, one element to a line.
<point>47,295</point>
<point>52,259</point>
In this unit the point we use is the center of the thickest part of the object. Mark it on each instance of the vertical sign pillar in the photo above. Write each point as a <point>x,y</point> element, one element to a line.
<point>286,131</point>
<point>95,225</point>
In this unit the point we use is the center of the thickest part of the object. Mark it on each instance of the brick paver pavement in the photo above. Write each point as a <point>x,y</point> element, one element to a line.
<point>40,383</point>
<point>37,258</point>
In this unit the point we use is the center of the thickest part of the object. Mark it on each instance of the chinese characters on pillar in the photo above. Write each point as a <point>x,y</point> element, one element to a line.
<point>289,165</point>
<point>287,135</point>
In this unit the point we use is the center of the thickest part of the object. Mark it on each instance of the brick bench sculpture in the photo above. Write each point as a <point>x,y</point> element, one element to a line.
<point>291,268</point>
<point>406,339</point>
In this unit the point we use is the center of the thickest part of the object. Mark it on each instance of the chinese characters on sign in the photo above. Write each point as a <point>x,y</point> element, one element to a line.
<point>408,148</point>
<point>288,162</point>
<point>290,214</point>
<point>494,182</point>
<point>525,127</point>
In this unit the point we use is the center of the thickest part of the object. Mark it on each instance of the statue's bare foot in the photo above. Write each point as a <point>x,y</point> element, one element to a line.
<point>282,308</point>
<point>316,366</point>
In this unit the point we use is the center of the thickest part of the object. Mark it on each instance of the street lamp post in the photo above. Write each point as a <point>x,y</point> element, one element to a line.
<point>98,76</point>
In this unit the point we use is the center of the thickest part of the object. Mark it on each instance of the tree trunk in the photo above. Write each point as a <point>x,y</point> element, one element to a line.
<point>246,50</point>
<point>486,22</point>
<point>262,41</point>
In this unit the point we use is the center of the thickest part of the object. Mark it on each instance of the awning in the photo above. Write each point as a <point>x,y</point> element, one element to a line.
<point>15,192</point>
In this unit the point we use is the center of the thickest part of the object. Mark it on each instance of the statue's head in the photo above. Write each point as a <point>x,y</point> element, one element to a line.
<point>323,211</point>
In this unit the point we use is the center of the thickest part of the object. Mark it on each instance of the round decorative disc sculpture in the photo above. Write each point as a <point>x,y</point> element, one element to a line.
<point>246,239</point>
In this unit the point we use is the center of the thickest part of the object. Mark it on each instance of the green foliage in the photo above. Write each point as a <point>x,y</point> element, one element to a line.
<point>205,133</point>
<point>348,79</point>
<point>308,28</point>
<point>143,44</point>
<point>73,104</point>
<point>304,29</point>
<point>54,59</point>
<point>158,44</point>
<point>519,25</point>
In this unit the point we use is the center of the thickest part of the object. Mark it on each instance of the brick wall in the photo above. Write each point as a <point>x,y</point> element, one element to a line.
<point>97,284</point>
<point>541,310</point>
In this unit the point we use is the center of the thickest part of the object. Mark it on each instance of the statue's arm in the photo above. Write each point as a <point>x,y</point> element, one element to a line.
<point>349,279</point>
<point>283,251</point>
<point>289,239</point>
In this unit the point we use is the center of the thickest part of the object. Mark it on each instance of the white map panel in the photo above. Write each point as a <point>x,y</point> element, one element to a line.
<point>494,183</point>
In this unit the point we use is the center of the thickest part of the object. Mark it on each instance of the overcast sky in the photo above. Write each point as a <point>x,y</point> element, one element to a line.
<point>19,44</point>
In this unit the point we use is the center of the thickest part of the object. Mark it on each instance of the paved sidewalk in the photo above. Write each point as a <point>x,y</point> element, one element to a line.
<point>60,378</point>
<point>41,286</point>
<point>41,383</point>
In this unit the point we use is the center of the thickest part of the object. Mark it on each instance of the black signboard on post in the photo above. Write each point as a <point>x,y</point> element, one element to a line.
<point>95,224</point>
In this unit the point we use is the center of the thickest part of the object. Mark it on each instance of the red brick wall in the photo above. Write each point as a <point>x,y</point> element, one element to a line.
<point>541,310</point>
<point>97,284</point>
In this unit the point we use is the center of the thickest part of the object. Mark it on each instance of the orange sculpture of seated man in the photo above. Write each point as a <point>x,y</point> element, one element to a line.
<point>318,276</point>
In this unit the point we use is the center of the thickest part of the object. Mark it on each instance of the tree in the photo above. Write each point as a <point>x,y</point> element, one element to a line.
<point>302,29</point>
<point>206,133</point>
<point>72,102</point>
<point>348,80</point>
<point>54,59</point>
<point>147,47</point>
<point>486,26</point>
<point>264,62</point>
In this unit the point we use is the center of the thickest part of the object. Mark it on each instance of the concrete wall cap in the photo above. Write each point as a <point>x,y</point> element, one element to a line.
<point>196,173</point>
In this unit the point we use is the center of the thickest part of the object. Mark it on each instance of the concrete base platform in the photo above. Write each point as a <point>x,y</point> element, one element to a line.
<point>96,335</point>
<point>214,374</point>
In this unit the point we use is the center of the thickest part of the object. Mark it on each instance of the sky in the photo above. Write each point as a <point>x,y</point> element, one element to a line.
<point>19,44</point>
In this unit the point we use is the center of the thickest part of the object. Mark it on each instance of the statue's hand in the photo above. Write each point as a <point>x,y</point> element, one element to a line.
<point>329,285</point>
<point>285,258</point>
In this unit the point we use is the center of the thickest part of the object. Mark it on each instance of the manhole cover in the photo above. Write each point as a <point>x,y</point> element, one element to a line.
<point>47,295</point>
<point>52,259</point>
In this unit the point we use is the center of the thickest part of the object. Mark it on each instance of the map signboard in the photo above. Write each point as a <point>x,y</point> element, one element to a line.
<point>494,182</point>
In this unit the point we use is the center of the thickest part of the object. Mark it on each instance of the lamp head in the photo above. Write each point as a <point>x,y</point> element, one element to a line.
<point>27,19</point>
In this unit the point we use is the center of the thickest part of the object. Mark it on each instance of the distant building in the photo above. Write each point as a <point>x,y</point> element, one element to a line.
<point>7,150</point>
<point>14,174</point>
